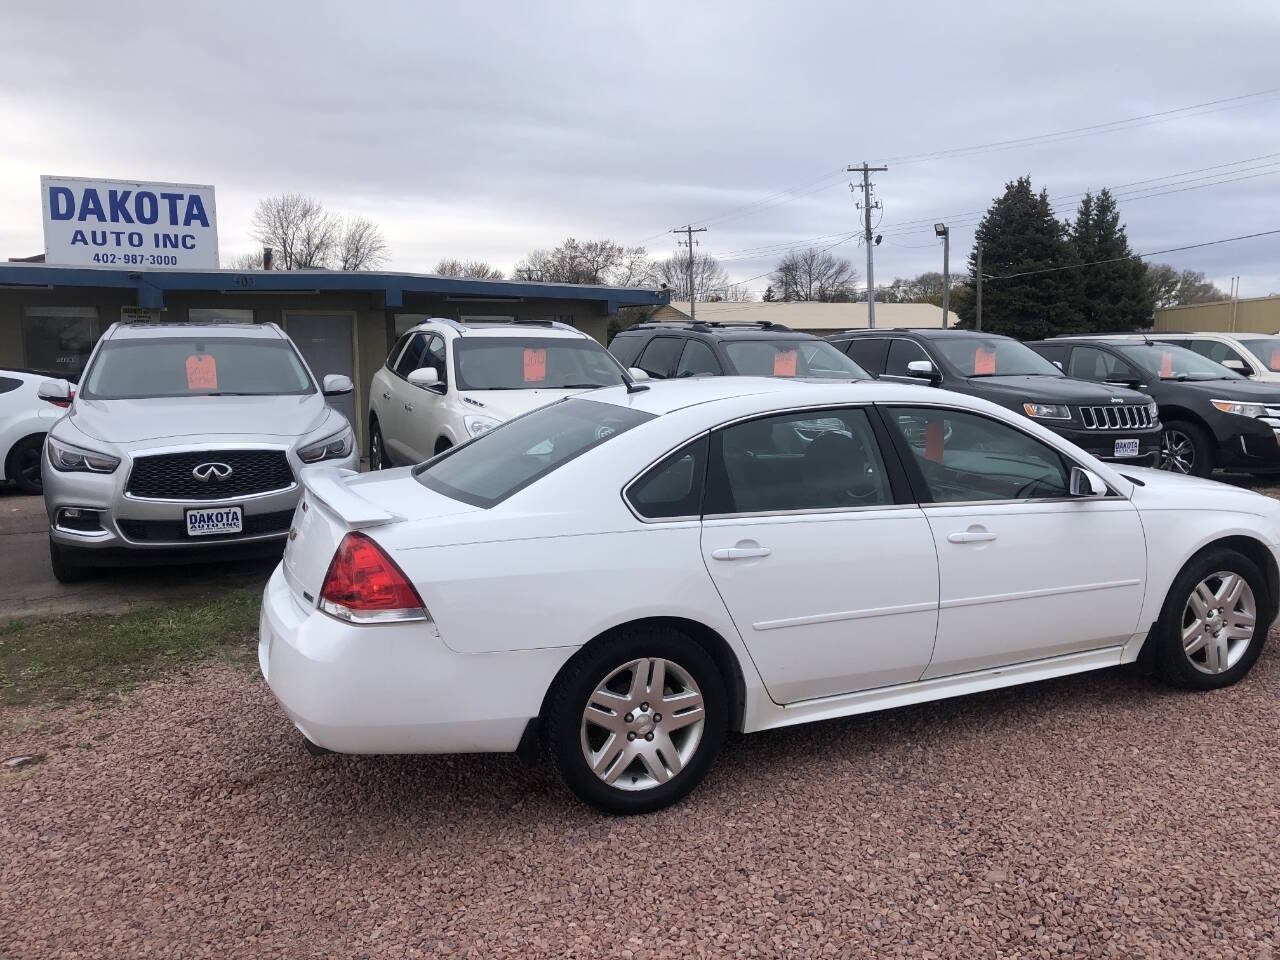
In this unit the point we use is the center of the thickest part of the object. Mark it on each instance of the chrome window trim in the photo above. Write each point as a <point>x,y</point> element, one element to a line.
<point>225,501</point>
<point>814,511</point>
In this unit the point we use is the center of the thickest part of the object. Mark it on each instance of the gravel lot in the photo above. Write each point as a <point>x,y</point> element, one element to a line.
<point>1101,815</point>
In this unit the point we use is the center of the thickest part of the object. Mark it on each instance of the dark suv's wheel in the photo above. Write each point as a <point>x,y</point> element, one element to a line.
<point>377,450</point>
<point>23,465</point>
<point>1211,628</point>
<point>1186,448</point>
<point>636,722</point>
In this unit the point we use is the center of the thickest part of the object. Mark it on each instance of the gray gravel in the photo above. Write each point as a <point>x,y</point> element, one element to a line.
<point>1101,815</point>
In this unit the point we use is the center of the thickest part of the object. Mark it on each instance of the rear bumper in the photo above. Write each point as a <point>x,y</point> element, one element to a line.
<point>394,688</point>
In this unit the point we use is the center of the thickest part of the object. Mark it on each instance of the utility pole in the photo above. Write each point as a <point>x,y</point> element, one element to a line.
<point>866,172</point>
<point>942,230</point>
<point>978,303</point>
<point>689,230</point>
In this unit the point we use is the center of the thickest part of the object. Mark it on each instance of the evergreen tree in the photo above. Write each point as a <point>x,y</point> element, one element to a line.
<point>1112,292</point>
<point>1020,234</point>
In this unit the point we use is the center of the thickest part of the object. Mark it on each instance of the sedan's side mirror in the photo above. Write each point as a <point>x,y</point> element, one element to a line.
<point>1086,483</point>
<point>425,377</point>
<point>57,392</point>
<point>923,370</point>
<point>637,374</point>
<point>335,385</point>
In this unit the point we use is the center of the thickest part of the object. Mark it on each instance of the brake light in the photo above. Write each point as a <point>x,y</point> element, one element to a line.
<point>364,585</point>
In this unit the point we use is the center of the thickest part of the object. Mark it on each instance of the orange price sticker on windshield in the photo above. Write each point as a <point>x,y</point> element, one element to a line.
<point>934,439</point>
<point>984,361</point>
<point>784,363</point>
<point>202,372</point>
<point>535,365</point>
<point>1275,358</point>
<point>1166,364</point>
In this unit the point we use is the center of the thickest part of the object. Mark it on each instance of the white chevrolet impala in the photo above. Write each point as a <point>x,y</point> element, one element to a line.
<point>623,576</point>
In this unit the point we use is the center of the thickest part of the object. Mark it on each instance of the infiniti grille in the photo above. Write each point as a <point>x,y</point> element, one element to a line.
<point>168,476</point>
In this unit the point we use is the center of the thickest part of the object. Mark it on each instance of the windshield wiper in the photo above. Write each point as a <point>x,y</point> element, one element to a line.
<point>580,386</point>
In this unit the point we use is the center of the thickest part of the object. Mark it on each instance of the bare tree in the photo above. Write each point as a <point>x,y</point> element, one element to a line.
<point>298,229</point>
<point>1170,288</point>
<point>710,280</point>
<point>814,274</point>
<point>244,261</point>
<point>361,245</point>
<point>585,261</point>
<point>471,269</point>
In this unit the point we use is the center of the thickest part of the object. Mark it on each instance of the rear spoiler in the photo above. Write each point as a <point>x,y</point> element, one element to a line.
<point>328,484</point>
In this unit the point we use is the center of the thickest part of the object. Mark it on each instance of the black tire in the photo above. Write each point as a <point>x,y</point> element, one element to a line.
<point>1172,438</point>
<point>24,463</point>
<point>377,448</point>
<point>1171,660</point>
<point>443,444</point>
<point>65,570</point>
<point>566,733</point>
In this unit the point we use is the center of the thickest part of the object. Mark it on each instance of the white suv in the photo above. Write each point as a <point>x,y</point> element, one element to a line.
<point>1255,355</point>
<point>445,382</point>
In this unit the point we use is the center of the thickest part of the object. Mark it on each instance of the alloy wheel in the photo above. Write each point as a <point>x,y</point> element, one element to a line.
<point>642,724</point>
<point>1218,622</point>
<point>1177,452</point>
<point>29,467</point>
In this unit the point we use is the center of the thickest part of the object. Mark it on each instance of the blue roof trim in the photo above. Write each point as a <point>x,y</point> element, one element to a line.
<point>152,284</point>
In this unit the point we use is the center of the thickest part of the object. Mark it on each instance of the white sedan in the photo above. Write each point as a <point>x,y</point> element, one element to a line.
<point>623,577</point>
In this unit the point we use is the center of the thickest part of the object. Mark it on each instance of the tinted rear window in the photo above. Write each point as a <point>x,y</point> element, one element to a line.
<point>792,358</point>
<point>508,458</point>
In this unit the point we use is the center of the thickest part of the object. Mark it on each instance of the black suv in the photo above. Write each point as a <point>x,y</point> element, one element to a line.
<point>694,349</point>
<point>1213,417</point>
<point>1110,423</point>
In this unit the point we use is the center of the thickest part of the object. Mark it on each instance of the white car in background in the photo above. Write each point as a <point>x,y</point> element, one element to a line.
<point>628,574</point>
<point>1255,355</point>
<point>445,382</point>
<point>25,418</point>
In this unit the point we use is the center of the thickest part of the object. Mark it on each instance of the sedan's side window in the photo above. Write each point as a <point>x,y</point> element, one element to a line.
<point>964,457</point>
<point>659,357</point>
<point>901,353</point>
<point>673,486</point>
<point>806,460</point>
<point>411,359</point>
<point>697,360</point>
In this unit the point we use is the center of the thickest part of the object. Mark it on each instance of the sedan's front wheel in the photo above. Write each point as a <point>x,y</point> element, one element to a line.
<point>636,722</point>
<point>1212,627</point>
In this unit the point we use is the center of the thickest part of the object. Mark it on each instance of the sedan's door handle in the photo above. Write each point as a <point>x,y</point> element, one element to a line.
<point>972,536</point>
<point>740,553</point>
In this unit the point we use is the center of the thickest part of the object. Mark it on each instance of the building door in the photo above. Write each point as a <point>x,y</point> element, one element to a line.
<point>325,340</point>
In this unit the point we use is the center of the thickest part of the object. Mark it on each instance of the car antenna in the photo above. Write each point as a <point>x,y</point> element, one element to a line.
<point>631,385</point>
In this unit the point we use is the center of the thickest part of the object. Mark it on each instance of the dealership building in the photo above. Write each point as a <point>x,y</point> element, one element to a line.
<point>51,315</point>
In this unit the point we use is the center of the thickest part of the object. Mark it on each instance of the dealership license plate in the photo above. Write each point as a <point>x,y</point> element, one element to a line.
<point>214,520</point>
<point>1126,448</point>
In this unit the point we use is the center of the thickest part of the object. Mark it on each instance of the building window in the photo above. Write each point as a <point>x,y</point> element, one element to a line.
<point>58,340</point>
<point>219,315</point>
<point>404,322</point>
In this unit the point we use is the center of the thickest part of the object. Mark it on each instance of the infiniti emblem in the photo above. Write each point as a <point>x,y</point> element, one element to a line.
<point>211,471</point>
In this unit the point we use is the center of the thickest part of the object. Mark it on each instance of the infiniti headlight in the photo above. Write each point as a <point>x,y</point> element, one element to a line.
<point>63,456</point>
<point>1240,409</point>
<point>1047,411</point>
<point>331,448</point>
<point>477,424</point>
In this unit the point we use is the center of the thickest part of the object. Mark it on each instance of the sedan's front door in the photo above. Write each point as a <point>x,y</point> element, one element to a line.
<point>1026,571</point>
<point>829,575</point>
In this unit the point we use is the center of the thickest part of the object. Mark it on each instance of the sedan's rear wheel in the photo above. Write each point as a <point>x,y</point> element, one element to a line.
<point>1211,629</point>
<point>25,460</point>
<point>635,723</point>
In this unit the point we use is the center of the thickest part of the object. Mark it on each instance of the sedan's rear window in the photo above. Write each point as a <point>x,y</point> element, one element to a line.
<point>508,458</point>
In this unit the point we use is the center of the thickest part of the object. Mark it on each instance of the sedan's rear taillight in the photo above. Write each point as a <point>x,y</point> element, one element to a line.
<point>364,585</point>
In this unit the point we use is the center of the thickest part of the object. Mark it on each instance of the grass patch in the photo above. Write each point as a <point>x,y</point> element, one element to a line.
<point>64,658</point>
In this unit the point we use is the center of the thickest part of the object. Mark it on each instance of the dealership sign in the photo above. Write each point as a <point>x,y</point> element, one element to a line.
<point>117,223</point>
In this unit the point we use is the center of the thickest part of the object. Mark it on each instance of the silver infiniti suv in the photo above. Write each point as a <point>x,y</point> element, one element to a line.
<point>184,443</point>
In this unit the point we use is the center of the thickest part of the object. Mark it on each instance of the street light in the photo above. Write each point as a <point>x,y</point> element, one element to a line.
<point>942,231</point>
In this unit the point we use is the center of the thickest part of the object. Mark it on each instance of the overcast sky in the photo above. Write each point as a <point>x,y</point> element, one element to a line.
<point>482,130</point>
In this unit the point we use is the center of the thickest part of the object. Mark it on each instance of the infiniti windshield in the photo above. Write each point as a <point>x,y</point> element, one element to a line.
<point>1168,362</point>
<point>508,458</point>
<point>993,357</point>
<point>792,358</point>
<point>533,363</point>
<point>149,368</point>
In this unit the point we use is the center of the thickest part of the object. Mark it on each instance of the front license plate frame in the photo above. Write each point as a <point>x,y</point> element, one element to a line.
<point>213,521</point>
<point>1127,448</point>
